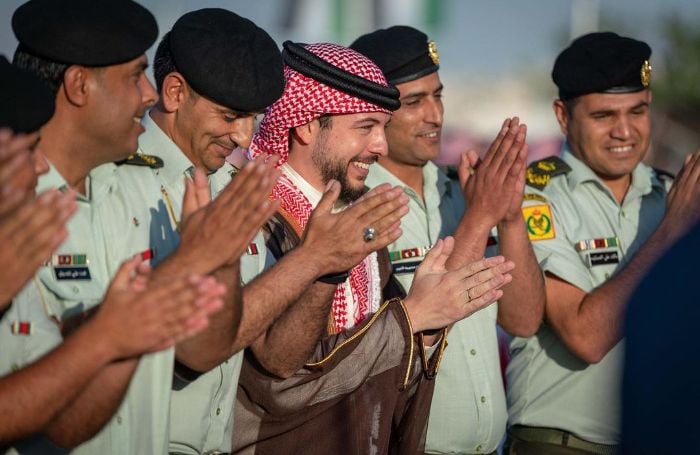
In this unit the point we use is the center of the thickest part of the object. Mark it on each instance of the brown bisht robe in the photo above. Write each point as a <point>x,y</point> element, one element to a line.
<point>363,391</point>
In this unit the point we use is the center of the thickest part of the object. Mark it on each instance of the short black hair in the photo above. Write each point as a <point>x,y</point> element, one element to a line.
<point>49,71</point>
<point>569,105</point>
<point>163,63</point>
<point>326,121</point>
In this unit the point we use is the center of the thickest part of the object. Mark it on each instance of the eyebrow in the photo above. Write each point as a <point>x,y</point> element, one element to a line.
<point>226,110</point>
<point>142,66</point>
<point>371,120</point>
<point>640,104</point>
<point>613,110</point>
<point>420,93</point>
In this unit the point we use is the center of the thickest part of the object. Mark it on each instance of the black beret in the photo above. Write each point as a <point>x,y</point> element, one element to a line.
<point>228,59</point>
<point>403,53</point>
<point>602,62</point>
<point>25,102</point>
<point>85,32</point>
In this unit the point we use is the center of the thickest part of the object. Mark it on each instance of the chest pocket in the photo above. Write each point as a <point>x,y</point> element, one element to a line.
<point>601,256</point>
<point>71,290</point>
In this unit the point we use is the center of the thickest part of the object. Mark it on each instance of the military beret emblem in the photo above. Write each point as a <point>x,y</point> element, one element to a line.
<point>433,52</point>
<point>646,73</point>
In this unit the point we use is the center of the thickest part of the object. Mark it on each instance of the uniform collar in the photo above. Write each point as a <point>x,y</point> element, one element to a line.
<point>154,141</point>
<point>432,177</point>
<point>642,177</point>
<point>54,179</point>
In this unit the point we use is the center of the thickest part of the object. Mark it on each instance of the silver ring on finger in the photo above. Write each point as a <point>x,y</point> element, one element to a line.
<point>368,234</point>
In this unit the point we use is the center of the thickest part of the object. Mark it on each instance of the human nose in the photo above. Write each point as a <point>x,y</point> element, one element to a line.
<point>243,131</point>
<point>379,145</point>
<point>149,95</point>
<point>434,111</point>
<point>621,128</point>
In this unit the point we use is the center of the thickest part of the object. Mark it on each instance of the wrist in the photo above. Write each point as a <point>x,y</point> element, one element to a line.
<point>189,260</point>
<point>96,335</point>
<point>305,255</point>
<point>409,305</point>
<point>511,224</point>
<point>476,222</point>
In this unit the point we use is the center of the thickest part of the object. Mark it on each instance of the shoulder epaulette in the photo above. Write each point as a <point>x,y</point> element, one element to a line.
<point>663,175</point>
<point>540,172</point>
<point>141,159</point>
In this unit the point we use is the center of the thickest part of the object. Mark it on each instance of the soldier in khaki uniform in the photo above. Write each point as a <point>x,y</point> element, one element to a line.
<point>468,412</point>
<point>75,388</point>
<point>598,219</point>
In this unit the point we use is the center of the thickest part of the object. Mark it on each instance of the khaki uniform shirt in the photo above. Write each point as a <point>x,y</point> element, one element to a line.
<point>468,411</point>
<point>75,280</point>
<point>581,234</point>
<point>200,412</point>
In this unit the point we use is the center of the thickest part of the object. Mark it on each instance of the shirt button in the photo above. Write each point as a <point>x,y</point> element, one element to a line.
<point>483,399</point>
<point>119,420</point>
<point>218,411</point>
<point>473,352</point>
<point>76,289</point>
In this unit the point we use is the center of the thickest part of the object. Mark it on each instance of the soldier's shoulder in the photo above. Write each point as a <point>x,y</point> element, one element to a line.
<point>539,173</point>
<point>141,159</point>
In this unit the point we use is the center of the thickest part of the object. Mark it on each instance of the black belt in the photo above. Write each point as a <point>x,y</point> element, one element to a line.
<point>561,438</point>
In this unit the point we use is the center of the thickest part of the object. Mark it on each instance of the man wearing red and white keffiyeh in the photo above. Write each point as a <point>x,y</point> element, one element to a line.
<point>302,182</point>
<point>366,386</point>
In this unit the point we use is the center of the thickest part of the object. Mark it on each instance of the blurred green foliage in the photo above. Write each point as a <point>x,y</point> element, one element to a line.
<point>678,90</point>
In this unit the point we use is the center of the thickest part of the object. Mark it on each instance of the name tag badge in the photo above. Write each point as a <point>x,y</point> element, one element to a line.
<point>71,267</point>
<point>406,267</point>
<point>72,273</point>
<point>603,258</point>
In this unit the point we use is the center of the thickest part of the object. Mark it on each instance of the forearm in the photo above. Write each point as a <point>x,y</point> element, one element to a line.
<point>271,293</point>
<point>288,343</point>
<point>213,345</point>
<point>470,237</point>
<point>598,326</point>
<point>93,408</point>
<point>521,308</point>
<point>30,398</point>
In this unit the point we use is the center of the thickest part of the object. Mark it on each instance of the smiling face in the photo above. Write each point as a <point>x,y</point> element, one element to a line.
<point>122,95</point>
<point>415,129</point>
<point>208,132</point>
<point>344,150</point>
<point>608,132</point>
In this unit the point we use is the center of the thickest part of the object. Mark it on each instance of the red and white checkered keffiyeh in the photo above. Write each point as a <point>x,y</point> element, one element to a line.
<point>305,99</point>
<point>360,295</point>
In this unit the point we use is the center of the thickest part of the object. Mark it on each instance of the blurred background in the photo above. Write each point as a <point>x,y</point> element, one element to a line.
<point>495,56</point>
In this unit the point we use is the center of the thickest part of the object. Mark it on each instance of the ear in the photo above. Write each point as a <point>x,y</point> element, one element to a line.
<point>562,116</point>
<point>174,92</point>
<point>307,132</point>
<point>76,80</point>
